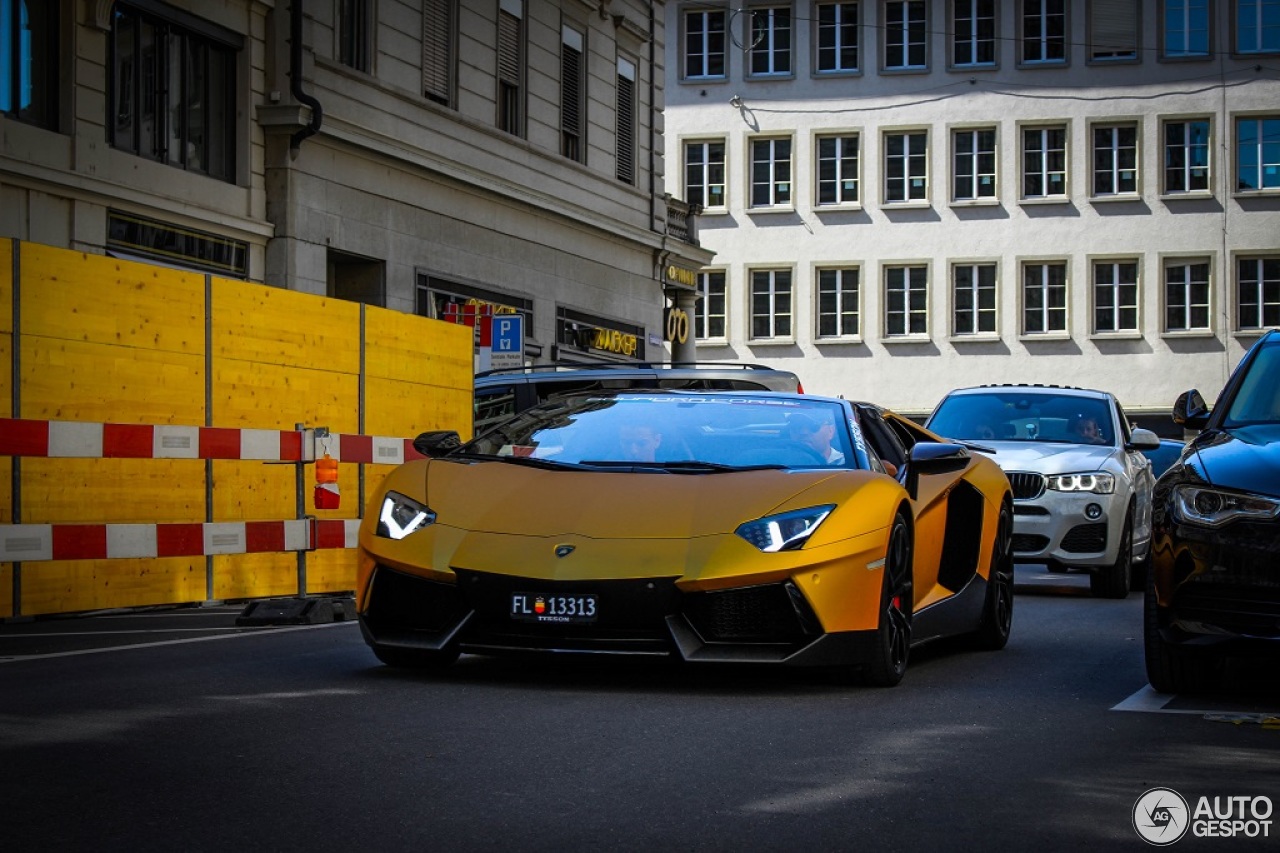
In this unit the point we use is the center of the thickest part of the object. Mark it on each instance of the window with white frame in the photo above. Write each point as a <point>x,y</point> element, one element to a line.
<point>1185,29</point>
<point>837,33</point>
<point>906,166</point>
<point>1044,32</point>
<point>573,93</point>
<point>1258,153</point>
<point>906,300</point>
<point>838,169</point>
<point>973,299</point>
<point>838,301</point>
<point>1115,159</point>
<point>709,313</point>
<point>769,37</point>
<point>439,55</point>
<point>973,163</point>
<point>1257,293</point>
<point>973,33</point>
<point>771,172</point>
<point>625,136</point>
<point>1186,295</point>
<point>906,35</point>
<point>1186,155</point>
<point>1113,30</point>
<point>1044,162</point>
<point>1115,296</point>
<point>770,304</point>
<point>1044,297</point>
<point>704,173</point>
<point>1257,26</point>
<point>704,44</point>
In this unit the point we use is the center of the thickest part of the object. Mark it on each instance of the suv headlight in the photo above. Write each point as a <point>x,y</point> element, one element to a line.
<point>785,531</point>
<point>401,515</point>
<point>1214,508</point>
<point>1097,483</point>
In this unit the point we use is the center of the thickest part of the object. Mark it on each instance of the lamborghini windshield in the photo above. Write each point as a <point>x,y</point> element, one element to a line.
<point>675,431</point>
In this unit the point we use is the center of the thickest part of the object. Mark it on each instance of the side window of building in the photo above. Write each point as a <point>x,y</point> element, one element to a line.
<point>626,121</point>
<point>906,300</point>
<point>973,33</point>
<point>837,34</point>
<point>1184,29</point>
<point>1044,297</point>
<point>1186,156</point>
<point>973,164</point>
<point>573,94</point>
<point>771,304</point>
<point>1042,39</point>
<point>973,299</point>
<point>439,59</point>
<point>1256,26</point>
<point>511,69</point>
<point>769,36</point>
<point>771,172</point>
<point>1115,296</point>
<point>29,61</point>
<point>1115,160</point>
<point>906,166</point>
<point>1257,293</point>
<point>1114,27</point>
<point>704,41</point>
<point>1258,153</point>
<point>838,169</point>
<point>709,313</point>
<point>1044,162</point>
<point>704,173</point>
<point>838,302</point>
<point>1186,295</point>
<point>355,34</point>
<point>906,35</point>
<point>172,91</point>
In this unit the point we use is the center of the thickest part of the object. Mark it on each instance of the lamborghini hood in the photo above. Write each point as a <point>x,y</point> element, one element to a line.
<point>499,497</point>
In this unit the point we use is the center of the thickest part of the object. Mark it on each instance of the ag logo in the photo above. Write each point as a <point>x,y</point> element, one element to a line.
<point>1161,816</point>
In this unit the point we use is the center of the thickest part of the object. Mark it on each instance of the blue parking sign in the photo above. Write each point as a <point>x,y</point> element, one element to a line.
<point>507,347</point>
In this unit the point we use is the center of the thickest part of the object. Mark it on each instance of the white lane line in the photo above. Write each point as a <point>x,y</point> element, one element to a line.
<point>249,633</point>
<point>1149,701</point>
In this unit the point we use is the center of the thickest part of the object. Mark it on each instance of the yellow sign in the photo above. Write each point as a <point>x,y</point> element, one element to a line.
<point>680,275</point>
<point>611,340</point>
<point>677,325</point>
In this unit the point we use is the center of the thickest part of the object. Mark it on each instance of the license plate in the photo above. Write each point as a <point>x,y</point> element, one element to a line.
<point>553,609</point>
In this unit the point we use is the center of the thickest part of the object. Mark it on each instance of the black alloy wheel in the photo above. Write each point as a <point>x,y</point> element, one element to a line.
<point>892,644</point>
<point>1113,581</point>
<point>997,613</point>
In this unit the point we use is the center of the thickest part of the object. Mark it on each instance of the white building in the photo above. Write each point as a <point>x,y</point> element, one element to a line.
<point>419,155</point>
<point>908,196</point>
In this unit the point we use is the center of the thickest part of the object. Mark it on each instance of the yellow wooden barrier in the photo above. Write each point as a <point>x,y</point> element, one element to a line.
<point>105,340</point>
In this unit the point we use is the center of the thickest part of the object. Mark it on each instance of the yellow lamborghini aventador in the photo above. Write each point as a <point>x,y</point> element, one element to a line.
<point>700,526</point>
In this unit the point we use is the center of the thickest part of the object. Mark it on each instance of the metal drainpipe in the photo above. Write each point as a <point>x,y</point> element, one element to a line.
<point>295,79</point>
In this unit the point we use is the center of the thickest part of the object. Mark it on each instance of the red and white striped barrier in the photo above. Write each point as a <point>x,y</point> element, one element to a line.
<point>40,542</point>
<point>83,440</point>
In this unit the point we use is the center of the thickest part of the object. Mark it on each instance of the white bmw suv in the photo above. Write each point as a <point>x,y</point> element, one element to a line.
<point>1081,484</point>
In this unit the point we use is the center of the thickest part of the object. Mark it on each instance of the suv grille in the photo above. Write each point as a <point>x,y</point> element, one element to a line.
<point>1086,538</point>
<point>1028,543</point>
<point>1026,486</point>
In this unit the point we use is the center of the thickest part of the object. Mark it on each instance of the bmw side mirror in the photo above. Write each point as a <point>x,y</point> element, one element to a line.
<point>437,442</point>
<point>1143,439</point>
<point>1190,410</point>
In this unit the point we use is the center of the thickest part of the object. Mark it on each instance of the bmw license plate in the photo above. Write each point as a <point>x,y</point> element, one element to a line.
<point>553,609</point>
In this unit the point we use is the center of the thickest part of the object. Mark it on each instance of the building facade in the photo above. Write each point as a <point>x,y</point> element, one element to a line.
<point>906,197</point>
<point>430,156</point>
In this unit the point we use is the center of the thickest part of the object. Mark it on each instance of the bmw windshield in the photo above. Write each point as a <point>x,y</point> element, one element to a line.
<point>1022,416</point>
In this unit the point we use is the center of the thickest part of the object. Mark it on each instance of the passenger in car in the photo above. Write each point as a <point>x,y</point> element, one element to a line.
<point>816,431</point>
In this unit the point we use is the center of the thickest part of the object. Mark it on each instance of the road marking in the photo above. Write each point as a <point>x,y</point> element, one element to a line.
<point>1147,700</point>
<point>240,633</point>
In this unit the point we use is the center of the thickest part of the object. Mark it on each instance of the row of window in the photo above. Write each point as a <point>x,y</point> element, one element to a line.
<point>1186,149</point>
<point>1044,297</point>
<point>766,34</point>
<point>172,88</point>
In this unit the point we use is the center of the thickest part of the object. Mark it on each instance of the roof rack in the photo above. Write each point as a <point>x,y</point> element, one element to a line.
<point>620,365</point>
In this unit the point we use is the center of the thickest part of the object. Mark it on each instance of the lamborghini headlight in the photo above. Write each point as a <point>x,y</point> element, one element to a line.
<point>1098,483</point>
<point>785,531</point>
<point>402,515</point>
<point>1213,508</point>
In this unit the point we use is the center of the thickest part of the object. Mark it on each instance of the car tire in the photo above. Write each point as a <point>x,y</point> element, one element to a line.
<point>997,612</point>
<point>1113,581</point>
<point>1171,668</point>
<point>419,659</point>
<point>892,645</point>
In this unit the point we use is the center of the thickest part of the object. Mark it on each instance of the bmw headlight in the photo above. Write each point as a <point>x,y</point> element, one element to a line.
<point>785,531</point>
<point>1097,483</point>
<point>1214,508</point>
<point>401,515</point>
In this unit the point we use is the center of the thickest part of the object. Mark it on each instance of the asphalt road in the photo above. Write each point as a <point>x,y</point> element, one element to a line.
<point>177,731</point>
